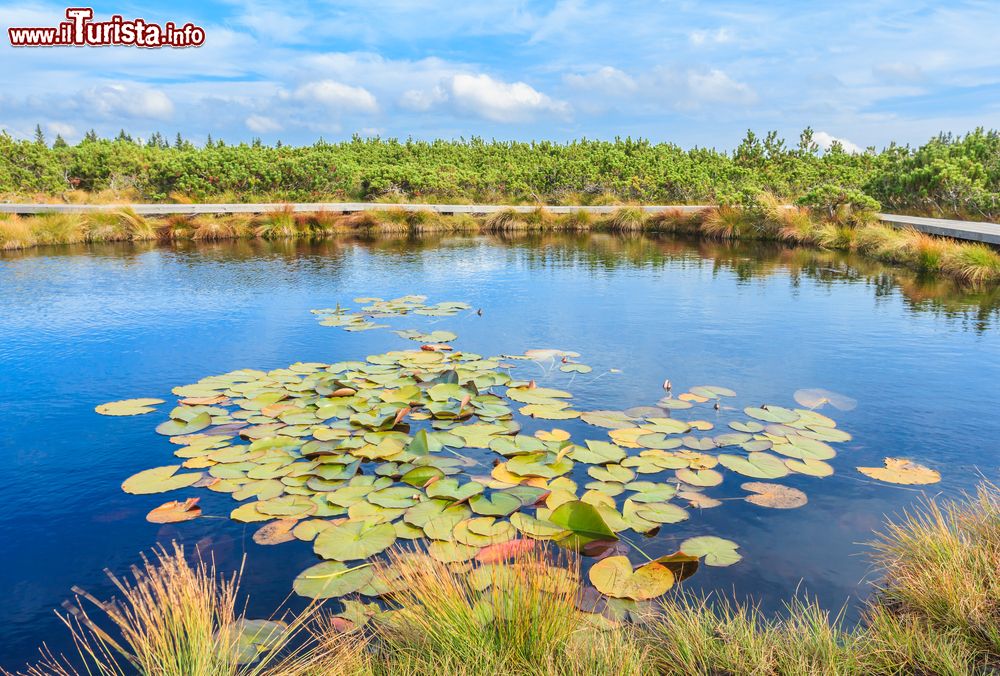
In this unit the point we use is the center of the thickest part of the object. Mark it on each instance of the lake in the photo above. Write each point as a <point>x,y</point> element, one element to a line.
<point>80,326</point>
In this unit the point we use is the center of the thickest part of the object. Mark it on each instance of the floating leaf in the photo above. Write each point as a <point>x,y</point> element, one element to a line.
<point>331,579</point>
<point>680,564</point>
<point>504,551</point>
<point>716,551</point>
<point>128,407</point>
<point>248,639</point>
<point>699,477</point>
<point>451,552</point>
<point>660,512</point>
<point>174,427</point>
<point>615,577</point>
<point>538,529</point>
<point>775,414</point>
<point>583,519</point>
<point>902,471</point>
<point>276,532</point>
<point>774,495</point>
<point>450,489</point>
<point>354,540</point>
<point>175,511</point>
<point>608,419</point>
<point>816,468</point>
<point>159,480</point>
<point>755,465</point>
<point>497,504</point>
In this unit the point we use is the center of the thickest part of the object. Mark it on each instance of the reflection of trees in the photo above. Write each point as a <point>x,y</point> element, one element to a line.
<point>746,260</point>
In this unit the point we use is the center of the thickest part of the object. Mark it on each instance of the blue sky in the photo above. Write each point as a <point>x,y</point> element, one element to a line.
<point>693,73</point>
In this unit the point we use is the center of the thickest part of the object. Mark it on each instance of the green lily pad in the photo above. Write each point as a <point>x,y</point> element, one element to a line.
<point>330,579</point>
<point>159,480</point>
<point>716,551</point>
<point>450,489</point>
<point>497,504</point>
<point>755,465</point>
<point>354,540</point>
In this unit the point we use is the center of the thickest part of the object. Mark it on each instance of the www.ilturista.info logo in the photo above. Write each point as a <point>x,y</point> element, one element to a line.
<point>81,31</point>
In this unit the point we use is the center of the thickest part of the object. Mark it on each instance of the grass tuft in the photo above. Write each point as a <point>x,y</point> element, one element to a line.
<point>16,233</point>
<point>727,222</point>
<point>973,263</point>
<point>627,219</point>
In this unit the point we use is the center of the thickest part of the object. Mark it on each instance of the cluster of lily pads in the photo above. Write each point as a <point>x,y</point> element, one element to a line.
<point>426,446</point>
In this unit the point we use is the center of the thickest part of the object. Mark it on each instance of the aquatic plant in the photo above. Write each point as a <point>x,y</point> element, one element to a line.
<point>357,455</point>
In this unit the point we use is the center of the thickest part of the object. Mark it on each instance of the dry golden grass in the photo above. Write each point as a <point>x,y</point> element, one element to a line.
<point>942,564</point>
<point>16,233</point>
<point>627,219</point>
<point>726,222</point>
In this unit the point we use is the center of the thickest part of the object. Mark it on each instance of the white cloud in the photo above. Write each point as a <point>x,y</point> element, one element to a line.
<point>825,140</point>
<point>606,80</point>
<point>899,72</point>
<point>714,86</point>
<point>67,131</point>
<point>718,36</point>
<point>128,100</point>
<point>502,101</point>
<point>262,124</point>
<point>274,25</point>
<point>422,100</point>
<point>337,95</point>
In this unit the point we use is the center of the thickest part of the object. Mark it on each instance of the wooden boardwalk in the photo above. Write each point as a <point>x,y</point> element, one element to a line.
<point>976,231</point>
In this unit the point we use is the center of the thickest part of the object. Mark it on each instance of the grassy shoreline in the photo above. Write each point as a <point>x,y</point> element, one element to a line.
<point>936,610</point>
<point>969,263</point>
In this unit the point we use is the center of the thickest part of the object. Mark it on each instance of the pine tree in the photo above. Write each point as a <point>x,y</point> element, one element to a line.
<point>39,136</point>
<point>178,142</point>
<point>60,142</point>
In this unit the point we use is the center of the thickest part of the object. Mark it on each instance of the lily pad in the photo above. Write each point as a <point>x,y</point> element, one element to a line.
<point>175,511</point>
<point>715,550</point>
<point>127,407</point>
<point>354,540</point>
<point>159,480</point>
<point>615,577</point>
<point>331,579</point>
<point>902,471</point>
<point>774,495</point>
<point>756,465</point>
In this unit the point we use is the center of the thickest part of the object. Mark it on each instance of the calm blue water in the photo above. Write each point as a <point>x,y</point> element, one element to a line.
<point>82,326</point>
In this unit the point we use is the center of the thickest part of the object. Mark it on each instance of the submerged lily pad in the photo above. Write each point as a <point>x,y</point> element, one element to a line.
<point>774,495</point>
